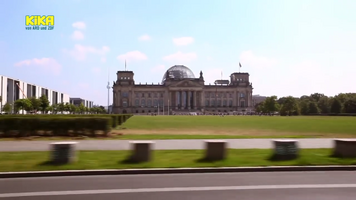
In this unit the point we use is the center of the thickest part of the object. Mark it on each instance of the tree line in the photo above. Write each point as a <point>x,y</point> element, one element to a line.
<point>35,105</point>
<point>314,104</point>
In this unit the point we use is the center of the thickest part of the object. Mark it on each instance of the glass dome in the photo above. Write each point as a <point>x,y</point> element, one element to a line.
<point>178,72</point>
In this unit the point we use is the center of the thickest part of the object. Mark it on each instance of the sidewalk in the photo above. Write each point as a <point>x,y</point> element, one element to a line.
<point>159,144</point>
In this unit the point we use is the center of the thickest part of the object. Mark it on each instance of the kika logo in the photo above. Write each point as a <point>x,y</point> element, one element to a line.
<point>35,21</point>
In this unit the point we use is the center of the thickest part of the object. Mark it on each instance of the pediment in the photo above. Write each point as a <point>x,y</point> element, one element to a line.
<point>186,83</point>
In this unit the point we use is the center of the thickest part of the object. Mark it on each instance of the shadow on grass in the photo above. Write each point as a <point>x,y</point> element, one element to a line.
<point>51,163</point>
<point>276,157</point>
<point>130,160</point>
<point>206,160</point>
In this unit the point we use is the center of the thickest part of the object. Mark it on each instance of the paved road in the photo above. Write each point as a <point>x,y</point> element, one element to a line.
<point>226,186</point>
<point>159,144</point>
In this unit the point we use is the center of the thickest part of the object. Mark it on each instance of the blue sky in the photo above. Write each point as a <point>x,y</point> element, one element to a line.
<point>288,47</point>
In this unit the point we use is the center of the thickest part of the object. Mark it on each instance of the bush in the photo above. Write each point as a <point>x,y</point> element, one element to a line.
<point>54,126</point>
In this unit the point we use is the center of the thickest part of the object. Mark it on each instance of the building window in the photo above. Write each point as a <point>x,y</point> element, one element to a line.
<point>161,102</point>
<point>242,95</point>
<point>161,95</point>
<point>124,103</point>
<point>137,95</point>
<point>155,95</point>
<point>242,103</point>
<point>230,95</point>
<point>225,103</point>
<point>219,102</point>
<point>212,102</point>
<point>137,102</point>
<point>149,94</point>
<point>149,103</point>
<point>224,95</point>
<point>143,95</point>
<point>143,103</point>
<point>125,94</point>
<point>155,102</point>
<point>207,95</point>
<point>206,102</point>
<point>128,77</point>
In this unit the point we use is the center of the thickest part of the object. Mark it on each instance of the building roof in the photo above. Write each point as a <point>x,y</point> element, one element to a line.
<point>178,72</point>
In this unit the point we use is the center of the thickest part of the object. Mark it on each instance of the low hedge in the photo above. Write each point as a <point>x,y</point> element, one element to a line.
<point>333,114</point>
<point>118,119</point>
<point>53,126</point>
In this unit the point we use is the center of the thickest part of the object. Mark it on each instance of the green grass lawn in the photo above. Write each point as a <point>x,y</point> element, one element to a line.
<point>229,127</point>
<point>35,161</point>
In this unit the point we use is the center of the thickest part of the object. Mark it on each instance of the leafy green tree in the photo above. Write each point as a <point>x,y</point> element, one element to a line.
<point>324,105</point>
<point>35,103</point>
<point>61,107</point>
<point>271,105</point>
<point>289,106</point>
<point>350,106</point>
<point>313,108</point>
<point>7,108</point>
<point>23,104</point>
<point>304,106</point>
<point>72,108</point>
<point>259,107</point>
<point>55,109</point>
<point>336,106</point>
<point>49,109</point>
<point>44,103</point>
<point>67,107</point>
<point>81,108</point>
<point>316,96</point>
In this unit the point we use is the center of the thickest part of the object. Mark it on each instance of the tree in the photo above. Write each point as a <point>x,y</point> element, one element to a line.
<point>81,108</point>
<point>350,106</point>
<point>54,109</point>
<point>72,108</point>
<point>304,106</point>
<point>271,105</point>
<point>44,103</point>
<point>336,106</point>
<point>35,104</point>
<point>316,96</point>
<point>7,108</point>
<point>23,104</point>
<point>313,108</point>
<point>289,106</point>
<point>67,107</point>
<point>323,104</point>
<point>61,107</point>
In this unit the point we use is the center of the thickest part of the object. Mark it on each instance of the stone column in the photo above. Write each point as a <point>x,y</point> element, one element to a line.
<point>176,98</point>
<point>238,100</point>
<point>202,97</point>
<point>114,98</point>
<point>188,98</point>
<point>195,100</point>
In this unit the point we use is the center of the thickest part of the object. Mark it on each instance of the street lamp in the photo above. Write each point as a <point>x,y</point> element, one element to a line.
<point>108,87</point>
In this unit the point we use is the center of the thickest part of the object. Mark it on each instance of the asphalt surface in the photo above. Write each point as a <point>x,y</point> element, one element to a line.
<point>224,186</point>
<point>159,144</point>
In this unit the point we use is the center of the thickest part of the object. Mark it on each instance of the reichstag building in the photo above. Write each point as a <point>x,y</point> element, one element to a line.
<point>181,92</point>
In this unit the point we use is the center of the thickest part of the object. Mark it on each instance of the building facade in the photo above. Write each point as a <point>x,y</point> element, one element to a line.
<point>180,91</point>
<point>14,89</point>
<point>78,101</point>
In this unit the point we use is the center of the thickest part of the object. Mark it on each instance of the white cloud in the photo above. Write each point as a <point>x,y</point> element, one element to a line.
<point>158,68</point>
<point>182,41</point>
<point>144,38</point>
<point>251,60</point>
<point>77,35</point>
<point>132,56</point>
<point>103,59</point>
<point>180,57</point>
<point>79,25</point>
<point>80,52</point>
<point>47,64</point>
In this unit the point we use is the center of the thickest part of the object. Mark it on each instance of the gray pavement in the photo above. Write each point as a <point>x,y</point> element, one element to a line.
<point>247,186</point>
<point>159,144</point>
